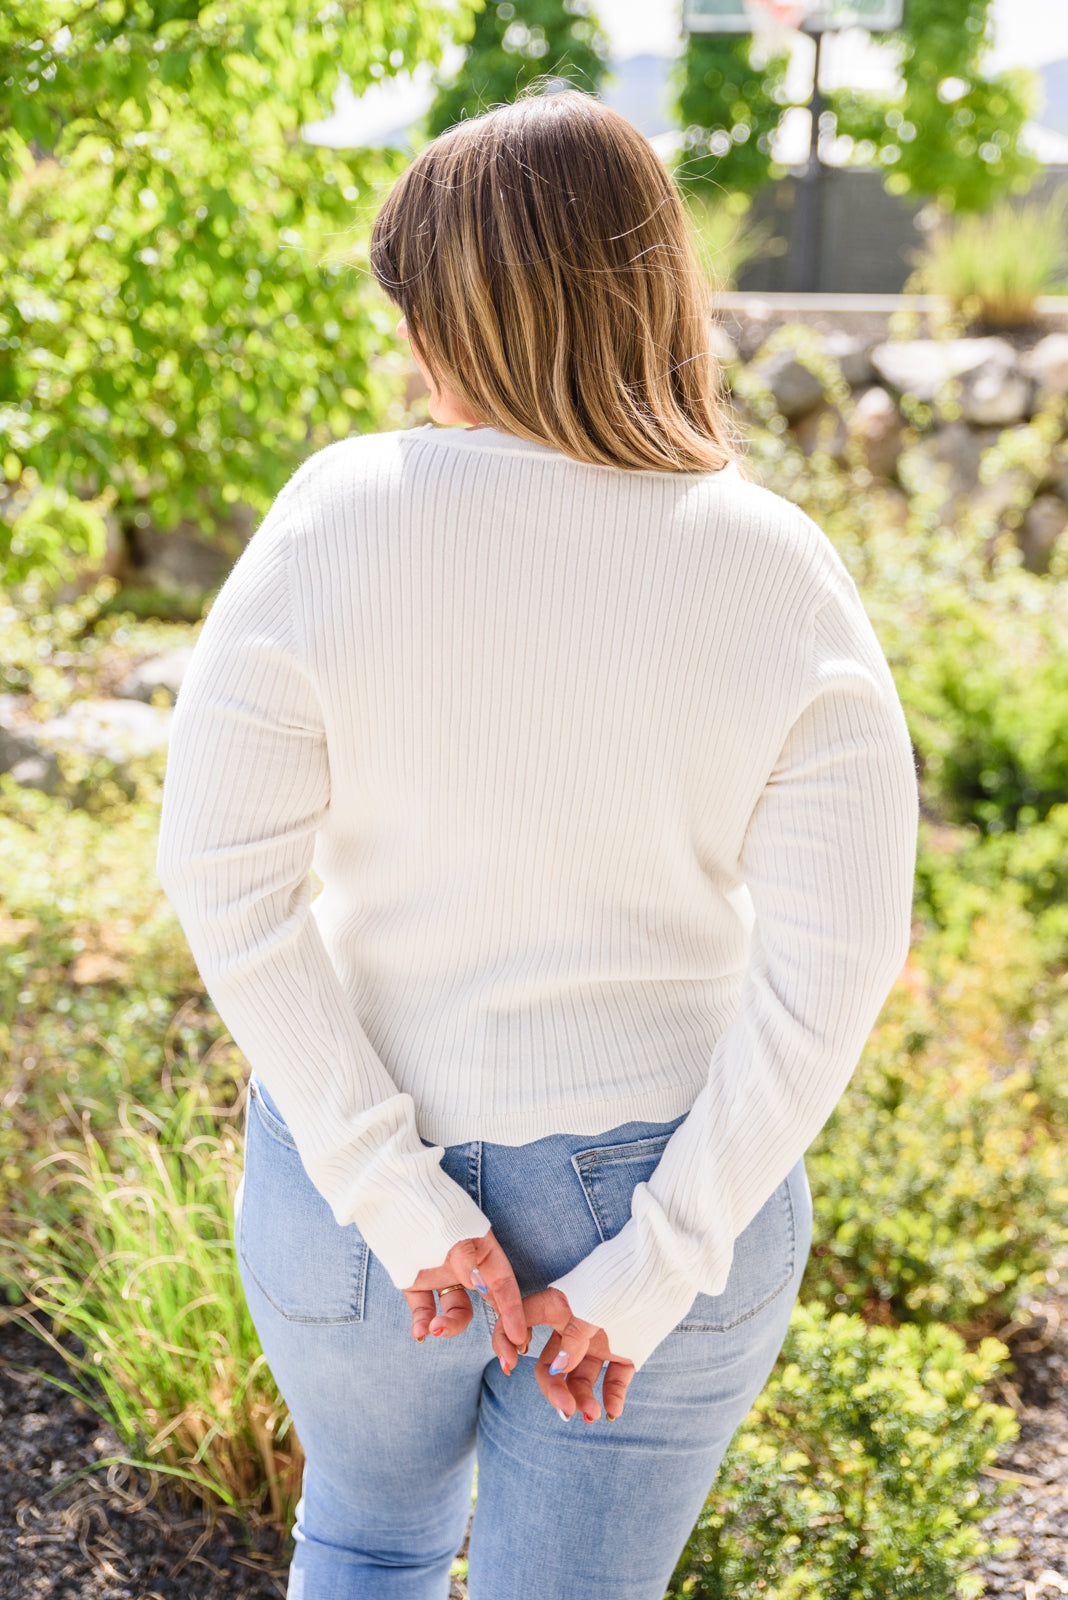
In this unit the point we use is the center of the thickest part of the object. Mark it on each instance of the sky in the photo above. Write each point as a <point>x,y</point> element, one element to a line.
<point>1026,33</point>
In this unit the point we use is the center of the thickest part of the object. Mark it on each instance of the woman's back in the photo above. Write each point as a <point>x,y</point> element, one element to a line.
<point>542,699</point>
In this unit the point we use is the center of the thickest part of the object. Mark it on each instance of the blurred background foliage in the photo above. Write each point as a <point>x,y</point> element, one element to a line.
<point>953,136</point>
<point>512,46</point>
<point>177,317</point>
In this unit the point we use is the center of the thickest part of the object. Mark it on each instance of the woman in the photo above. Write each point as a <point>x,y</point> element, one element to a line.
<point>612,801</point>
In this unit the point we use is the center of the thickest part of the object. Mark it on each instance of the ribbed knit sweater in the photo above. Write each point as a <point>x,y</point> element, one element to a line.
<point>613,805</point>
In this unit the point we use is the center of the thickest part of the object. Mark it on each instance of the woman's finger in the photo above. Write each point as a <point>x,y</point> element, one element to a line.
<point>506,1352</point>
<point>614,1388</point>
<point>544,1306</point>
<point>493,1278</point>
<point>423,1308</point>
<point>581,1381</point>
<point>565,1349</point>
<point>450,1312</point>
<point>454,1312</point>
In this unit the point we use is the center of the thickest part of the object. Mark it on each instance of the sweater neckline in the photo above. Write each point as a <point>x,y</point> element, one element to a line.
<point>493,439</point>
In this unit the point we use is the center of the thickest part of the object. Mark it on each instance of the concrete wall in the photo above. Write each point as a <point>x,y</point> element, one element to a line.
<point>866,235</point>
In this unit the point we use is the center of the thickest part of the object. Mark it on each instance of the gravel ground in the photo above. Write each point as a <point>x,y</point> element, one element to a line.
<point>114,1534</point>
<point>1035,1467</point>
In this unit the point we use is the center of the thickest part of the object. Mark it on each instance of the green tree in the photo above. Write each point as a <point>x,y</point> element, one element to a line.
<point>515,42</point>
<point>951,133</point>
<point>177,316</point>
<point>729,109</point>
<point>954,133</point>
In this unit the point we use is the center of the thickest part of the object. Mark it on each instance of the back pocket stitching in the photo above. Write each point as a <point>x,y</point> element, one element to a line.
<point>274,1125</point>
<point>584,1162</point>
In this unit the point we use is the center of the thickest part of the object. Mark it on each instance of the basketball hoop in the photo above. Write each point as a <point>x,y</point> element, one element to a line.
<point>773,22</point>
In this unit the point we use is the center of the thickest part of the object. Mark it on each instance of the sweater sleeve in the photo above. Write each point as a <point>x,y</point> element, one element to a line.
<point>247,786</point>
<point>828,857</point>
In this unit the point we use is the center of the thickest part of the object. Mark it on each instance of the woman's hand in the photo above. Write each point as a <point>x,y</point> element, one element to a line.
<point>482,1264</point>
<point>571,1362</point>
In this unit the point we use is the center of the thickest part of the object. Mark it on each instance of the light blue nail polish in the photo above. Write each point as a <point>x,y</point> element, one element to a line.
<point>562,1415</point>
<point>478,1282</point>
<point>559,1364</point>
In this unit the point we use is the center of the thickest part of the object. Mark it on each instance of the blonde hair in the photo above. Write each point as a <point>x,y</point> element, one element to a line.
<point>542,259</point>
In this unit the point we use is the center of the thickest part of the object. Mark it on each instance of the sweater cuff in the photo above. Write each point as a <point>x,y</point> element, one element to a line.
<point>637,1301</point>
<point>415,1217</point>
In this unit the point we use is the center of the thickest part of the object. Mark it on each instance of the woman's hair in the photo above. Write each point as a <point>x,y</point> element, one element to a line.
<point>543,262</point>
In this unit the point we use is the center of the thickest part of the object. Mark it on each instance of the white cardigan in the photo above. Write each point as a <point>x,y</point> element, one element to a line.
<point>614,808</point>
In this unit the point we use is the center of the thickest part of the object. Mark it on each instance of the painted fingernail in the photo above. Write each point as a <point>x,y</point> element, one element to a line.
<point>420,1338</point>
<point>523,1348</point>
<point>504,1367</point>
<point>559,1364</point>
<point>610,1417</point>
<point>478,1282</point>
<point>562,1415</point>
<point>586,1417</point>
<point>437,1332</point>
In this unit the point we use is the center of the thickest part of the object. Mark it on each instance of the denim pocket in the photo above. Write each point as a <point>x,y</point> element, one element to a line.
<point>764,1253</point>
<point>287,1240</point>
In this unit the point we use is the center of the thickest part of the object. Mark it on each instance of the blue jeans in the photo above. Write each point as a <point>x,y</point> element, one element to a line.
<point>392,1429</point>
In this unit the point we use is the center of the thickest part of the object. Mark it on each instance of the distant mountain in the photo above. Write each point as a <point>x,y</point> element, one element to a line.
<point>1054,114</point>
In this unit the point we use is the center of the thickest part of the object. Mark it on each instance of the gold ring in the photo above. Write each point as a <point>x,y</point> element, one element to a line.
<point>449,1287</point>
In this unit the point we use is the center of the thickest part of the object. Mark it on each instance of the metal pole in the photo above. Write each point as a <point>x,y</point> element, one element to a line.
<point>805,257</point>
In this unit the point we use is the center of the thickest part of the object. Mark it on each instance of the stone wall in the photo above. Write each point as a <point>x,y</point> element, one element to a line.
<point>917,414</point>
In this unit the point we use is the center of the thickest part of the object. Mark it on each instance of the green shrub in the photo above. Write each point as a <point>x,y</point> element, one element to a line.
<point>993,267</point>
<point>962,875</point>
<point>54,538</point>
<point>939,1185</point>
<point>856,1474</point>
<point>987,701</point>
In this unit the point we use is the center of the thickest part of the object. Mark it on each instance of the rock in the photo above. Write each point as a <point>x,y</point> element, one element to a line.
<point>118,730</point>
<point>921,367</point>
<point>879,424</point>
<point>179,563</point>
<point>943,464</point>
<point>1047,363</point>
<point>795,389</point>
<point>1039,533</point>
<point>159,673</point>
<point>21,753</point>
<point>824,430</point>
<point>853,355</point>
<point>123,732</point>
<point>995,393</point>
